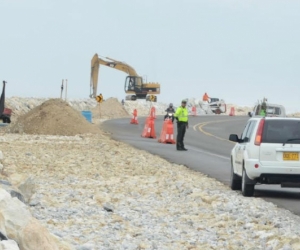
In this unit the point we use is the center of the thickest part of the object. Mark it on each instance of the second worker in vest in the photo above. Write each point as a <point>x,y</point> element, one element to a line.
<point>181,115</point>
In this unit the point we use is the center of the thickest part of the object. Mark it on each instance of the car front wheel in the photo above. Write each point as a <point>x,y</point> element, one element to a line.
<point>235,180</point>
<point>247,189</point>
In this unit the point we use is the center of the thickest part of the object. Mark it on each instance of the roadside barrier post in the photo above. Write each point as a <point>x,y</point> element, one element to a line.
<point>149,128</point>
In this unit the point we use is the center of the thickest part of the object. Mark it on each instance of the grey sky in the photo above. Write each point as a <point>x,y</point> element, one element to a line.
<point>239,51</point>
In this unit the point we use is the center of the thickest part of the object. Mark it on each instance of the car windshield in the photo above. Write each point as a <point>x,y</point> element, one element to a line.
<point>281,131</point>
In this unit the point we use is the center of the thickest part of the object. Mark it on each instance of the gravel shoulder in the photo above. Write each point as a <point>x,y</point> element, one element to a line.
<point>102,194</point>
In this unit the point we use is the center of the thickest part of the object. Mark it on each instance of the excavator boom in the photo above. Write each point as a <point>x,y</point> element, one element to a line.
<point>133,82</point>
<point>119,65</point>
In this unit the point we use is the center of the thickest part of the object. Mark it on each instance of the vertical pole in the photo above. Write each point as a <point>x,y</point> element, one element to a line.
<point>100,110</point>
<point>66,89</point>
<point>61,88</point>
<point>2,99</point>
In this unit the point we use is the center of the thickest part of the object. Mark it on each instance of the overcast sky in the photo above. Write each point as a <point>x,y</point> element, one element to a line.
<point>237,50</point>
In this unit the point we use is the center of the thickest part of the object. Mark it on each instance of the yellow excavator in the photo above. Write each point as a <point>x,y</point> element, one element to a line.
<point>134,85</point>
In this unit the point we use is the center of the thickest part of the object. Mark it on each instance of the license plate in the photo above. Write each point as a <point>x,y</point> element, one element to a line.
<point>289,156</point>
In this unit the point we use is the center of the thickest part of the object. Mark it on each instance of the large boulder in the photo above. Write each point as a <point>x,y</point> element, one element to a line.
<point>25,184</point>
<point>17,223</point>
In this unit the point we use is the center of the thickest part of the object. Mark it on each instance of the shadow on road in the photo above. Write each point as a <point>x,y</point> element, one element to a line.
<point>278,193</point>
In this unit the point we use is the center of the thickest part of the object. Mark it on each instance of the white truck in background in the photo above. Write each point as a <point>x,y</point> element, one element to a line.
<point>213,106</point>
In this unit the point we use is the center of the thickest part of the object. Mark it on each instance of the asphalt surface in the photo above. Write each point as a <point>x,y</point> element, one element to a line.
<point>208,150</point>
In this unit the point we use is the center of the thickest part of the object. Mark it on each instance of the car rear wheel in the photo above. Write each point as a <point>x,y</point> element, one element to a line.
<point>247,189</point>
<point>235,180</point>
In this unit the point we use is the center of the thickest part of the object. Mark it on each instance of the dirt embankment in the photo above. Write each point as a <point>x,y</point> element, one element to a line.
<point>109,109</point>
<point>53,117</point>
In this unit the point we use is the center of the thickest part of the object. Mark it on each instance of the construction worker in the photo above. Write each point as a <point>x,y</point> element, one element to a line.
<point>206,98</point>
<point>263,108</point>
<point>181,115</point>
<point>262,112</point>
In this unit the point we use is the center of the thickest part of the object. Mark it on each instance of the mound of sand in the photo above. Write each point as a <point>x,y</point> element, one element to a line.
<point>109,109</point>
<point>297,114</point>
<point>54,117</point>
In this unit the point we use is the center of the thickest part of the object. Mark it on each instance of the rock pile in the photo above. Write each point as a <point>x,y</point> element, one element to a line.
<point>53,117</point>
<point>297,114</point>
<point>21,105</point>
<point>109,109</point>
<point>18,228</point>
<point>143,107</point>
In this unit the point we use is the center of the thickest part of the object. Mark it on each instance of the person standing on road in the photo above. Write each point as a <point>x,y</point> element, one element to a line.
<point>181,115</point>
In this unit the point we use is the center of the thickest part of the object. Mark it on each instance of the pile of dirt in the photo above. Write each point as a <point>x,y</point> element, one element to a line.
<point>109,109</point>
<point>53,117</point>
<point>297,114</point>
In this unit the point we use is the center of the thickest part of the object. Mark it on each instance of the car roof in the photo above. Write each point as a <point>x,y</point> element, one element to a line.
<point>271,105</point>
<point>259,117</point>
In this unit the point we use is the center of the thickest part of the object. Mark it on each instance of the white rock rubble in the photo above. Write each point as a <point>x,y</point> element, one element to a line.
<point>96,193</point>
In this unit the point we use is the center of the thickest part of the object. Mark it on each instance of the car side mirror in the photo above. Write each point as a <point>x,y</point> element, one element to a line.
<point>250,114</point>
<point>234,138</point>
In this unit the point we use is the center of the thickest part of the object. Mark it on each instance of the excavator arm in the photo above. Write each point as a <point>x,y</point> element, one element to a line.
<point>118,65</point>
<point>95,64</point>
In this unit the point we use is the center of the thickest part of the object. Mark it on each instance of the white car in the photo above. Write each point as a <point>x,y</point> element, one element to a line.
<point>267,153</point>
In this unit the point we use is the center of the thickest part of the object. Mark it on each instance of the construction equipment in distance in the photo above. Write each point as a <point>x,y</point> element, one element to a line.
<point>217,106</point>
<point>134,85</point>
<point>214,106</point>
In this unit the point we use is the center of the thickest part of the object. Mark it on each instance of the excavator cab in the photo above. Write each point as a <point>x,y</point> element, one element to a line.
<point>134,86</point>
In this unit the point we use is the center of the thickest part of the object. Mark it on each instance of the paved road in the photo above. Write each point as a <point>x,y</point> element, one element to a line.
<point>208,150</point>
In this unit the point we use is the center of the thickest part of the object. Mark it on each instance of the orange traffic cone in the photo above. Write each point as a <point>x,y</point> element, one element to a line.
<point>134,118</point>
<point>149,128</point>
<point>232,112</point>
<point>167,132</point>
<point>194,111</point>
<point>152,112</point>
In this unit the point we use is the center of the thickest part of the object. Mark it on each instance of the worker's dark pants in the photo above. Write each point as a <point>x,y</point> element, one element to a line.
<point>181,128</point>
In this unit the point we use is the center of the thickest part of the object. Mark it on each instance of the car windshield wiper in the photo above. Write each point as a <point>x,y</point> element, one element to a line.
<point>293,139</point>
